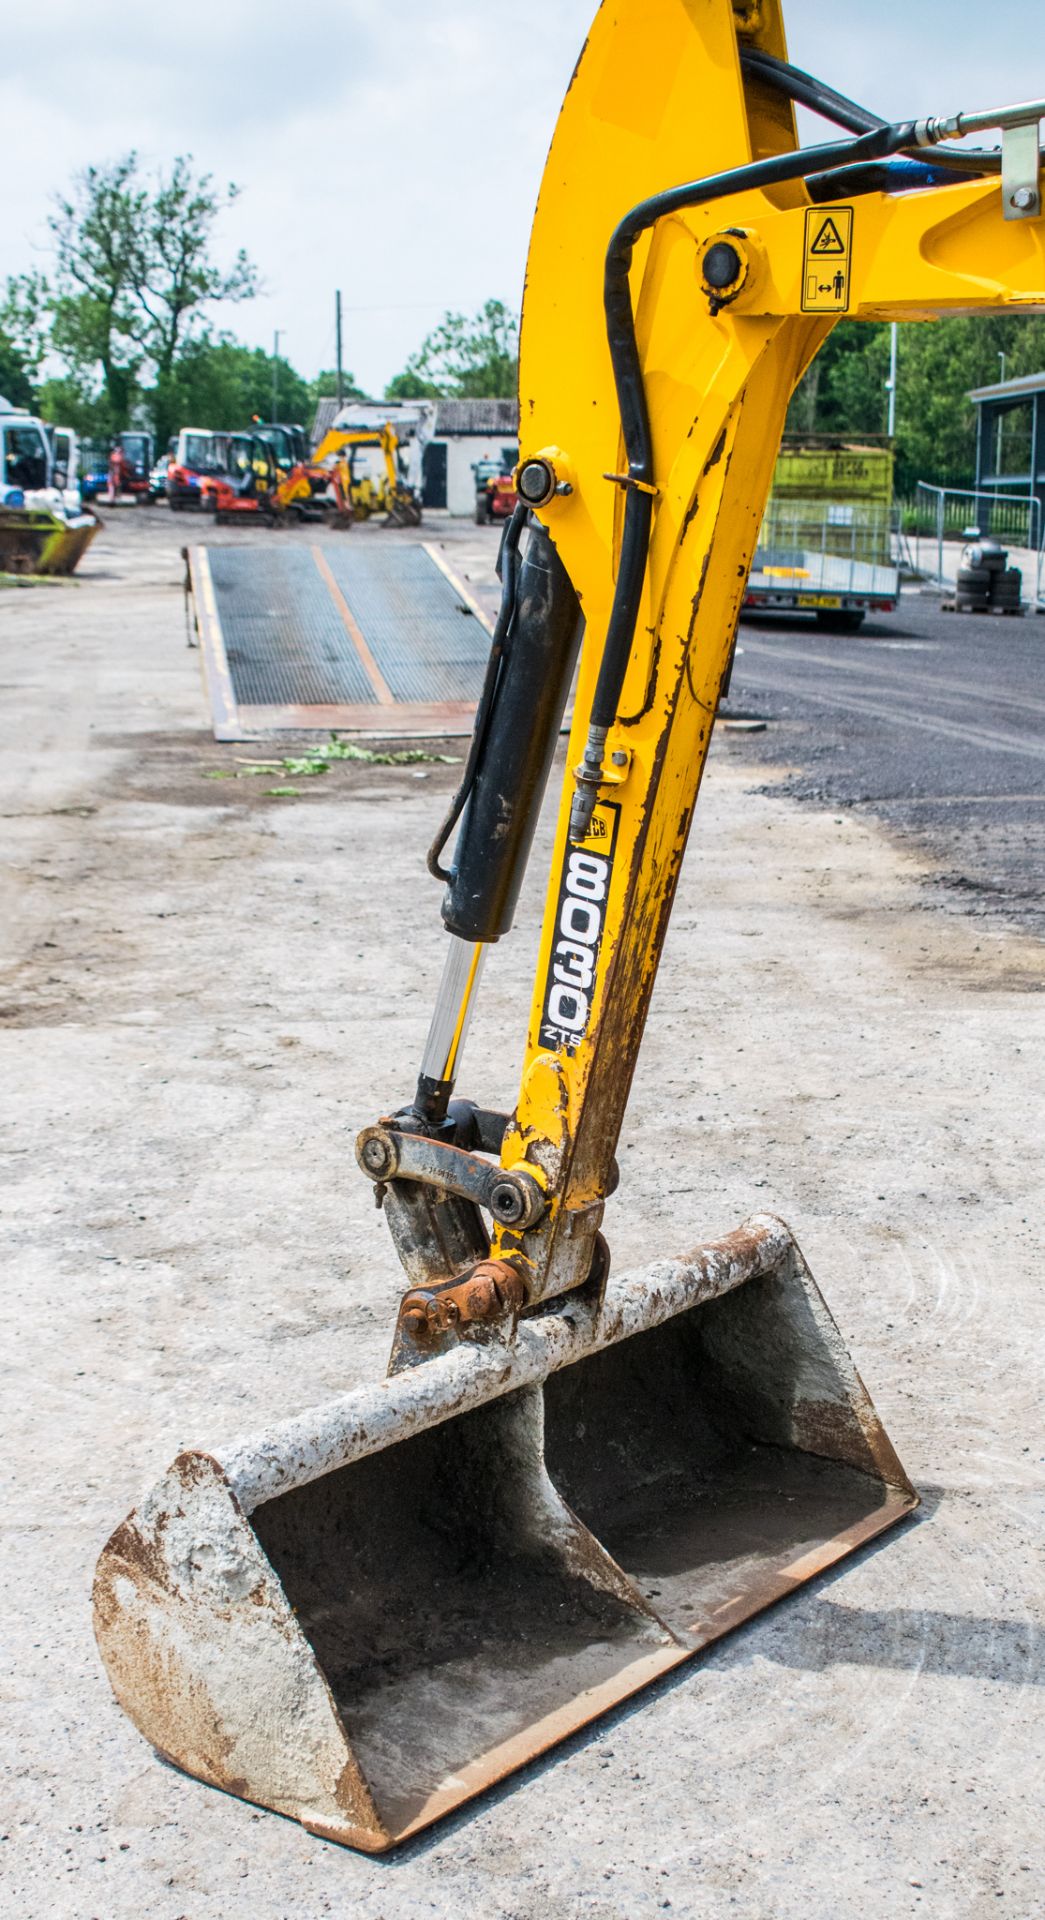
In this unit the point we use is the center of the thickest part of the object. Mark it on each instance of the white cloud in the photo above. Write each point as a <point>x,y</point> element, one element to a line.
<point>396,152</point>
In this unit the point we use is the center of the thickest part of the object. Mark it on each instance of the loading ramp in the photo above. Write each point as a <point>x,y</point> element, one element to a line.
<point>360,637</point>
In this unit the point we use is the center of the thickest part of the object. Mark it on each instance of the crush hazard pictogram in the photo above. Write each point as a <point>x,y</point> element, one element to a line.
<point>828,240</point>
<point>827,259</point>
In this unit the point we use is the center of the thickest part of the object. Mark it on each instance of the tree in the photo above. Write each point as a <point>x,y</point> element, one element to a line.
<point>135,277</point>
<point>324,387</point>
<point>844,389</point>
<point>95,233</point>
<point>409,385</point>
<point>25,321</point>
<point>15,384</point>
<point>939,363</point>
<point>68,403</point>
<point>219,383</point>
<point>464,357</point>
<point>175,279</point>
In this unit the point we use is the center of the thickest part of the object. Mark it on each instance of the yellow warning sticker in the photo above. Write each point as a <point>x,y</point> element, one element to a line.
<point>827,260</point>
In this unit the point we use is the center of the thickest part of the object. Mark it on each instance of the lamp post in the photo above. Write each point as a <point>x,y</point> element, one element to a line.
<point>275,370</point>
<point>890,385</point>
<point>997,455</point>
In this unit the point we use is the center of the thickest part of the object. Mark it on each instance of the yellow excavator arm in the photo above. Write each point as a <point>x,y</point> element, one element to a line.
<point>686,263</point>
<point>571,1481</point>
<point>341,439</point>
<point>692,310</point>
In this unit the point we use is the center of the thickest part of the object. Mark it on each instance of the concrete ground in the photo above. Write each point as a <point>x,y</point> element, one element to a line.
<point>205,989</point>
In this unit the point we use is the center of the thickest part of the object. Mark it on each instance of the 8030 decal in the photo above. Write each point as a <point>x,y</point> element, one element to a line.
<point>579,925</point>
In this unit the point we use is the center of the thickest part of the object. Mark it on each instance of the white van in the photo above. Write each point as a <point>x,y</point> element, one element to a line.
<point>31,472</point>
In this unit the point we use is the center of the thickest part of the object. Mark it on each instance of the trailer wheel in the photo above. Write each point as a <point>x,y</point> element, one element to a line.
<point>839,620</point>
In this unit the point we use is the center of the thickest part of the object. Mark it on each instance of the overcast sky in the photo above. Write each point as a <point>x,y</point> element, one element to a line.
<point>395,151</point>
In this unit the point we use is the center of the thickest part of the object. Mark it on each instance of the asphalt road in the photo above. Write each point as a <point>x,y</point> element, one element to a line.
<point>933,722</point>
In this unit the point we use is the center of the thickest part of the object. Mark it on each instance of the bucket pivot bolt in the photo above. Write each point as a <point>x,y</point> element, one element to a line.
<point>377,1156</point>
<point>508,1203</point>
<point>725,264</point>
<point>542,476</point>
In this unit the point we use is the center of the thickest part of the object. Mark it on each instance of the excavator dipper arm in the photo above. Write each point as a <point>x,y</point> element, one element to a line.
<point>686,263</point>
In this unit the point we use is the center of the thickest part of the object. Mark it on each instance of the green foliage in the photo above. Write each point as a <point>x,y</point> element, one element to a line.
<point>95,235</point>
<point>15,384</point>
<point>319,758</point>
<point>938,363</point>
<point>476,357</point>
<point>216,382</point>
<point>844,389</point>
<point>134,278</point>
<point>25,319</point>
<point>68,404</point>
<point>324,387</point>
<point>409,385</point>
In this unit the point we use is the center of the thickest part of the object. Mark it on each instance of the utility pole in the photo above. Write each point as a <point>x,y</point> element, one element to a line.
<point>275,371</point>
<point>340,377</point>
<point>890,385</point>
<point>997,456</point>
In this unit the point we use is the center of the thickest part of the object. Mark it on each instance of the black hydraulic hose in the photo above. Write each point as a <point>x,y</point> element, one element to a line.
<point>806,91</point>
<point>809,92</point>
<point>877,144</point>
<point>882,176</point>
<point>508,568</point>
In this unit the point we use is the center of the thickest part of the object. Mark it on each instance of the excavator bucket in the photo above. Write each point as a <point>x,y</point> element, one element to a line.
<point>391,1601</point>
<point>33,540</point>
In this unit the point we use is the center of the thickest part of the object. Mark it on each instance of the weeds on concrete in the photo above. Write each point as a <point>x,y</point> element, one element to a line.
<point>316,760</point>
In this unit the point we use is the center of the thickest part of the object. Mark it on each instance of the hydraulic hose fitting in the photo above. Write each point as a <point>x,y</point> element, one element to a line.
<point>954,126</point>
<point>588,776</point>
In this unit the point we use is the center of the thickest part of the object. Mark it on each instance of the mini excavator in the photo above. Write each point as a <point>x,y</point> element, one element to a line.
<point>572,1481</point>
<point>366,496</point>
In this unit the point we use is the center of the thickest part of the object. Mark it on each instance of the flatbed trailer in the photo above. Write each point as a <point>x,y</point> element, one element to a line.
<point>826,543</point>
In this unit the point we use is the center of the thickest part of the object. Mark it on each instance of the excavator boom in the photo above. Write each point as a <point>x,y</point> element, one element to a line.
<point>572,1481</point>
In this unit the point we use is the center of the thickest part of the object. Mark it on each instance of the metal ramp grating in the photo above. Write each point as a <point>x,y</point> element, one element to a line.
<point>427,643</point>
<point>284,640</point>
<point>358,636</point>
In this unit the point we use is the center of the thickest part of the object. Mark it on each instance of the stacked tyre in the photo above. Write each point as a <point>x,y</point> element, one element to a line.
<point>985,582</point>
<point>1007,589</point>
<point>973,591</point>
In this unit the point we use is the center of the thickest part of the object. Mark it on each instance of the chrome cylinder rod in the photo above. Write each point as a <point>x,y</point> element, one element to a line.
<point>453,1010</point>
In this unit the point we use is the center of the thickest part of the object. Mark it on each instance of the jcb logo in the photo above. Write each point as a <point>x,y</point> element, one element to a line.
<point>582,908</point>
